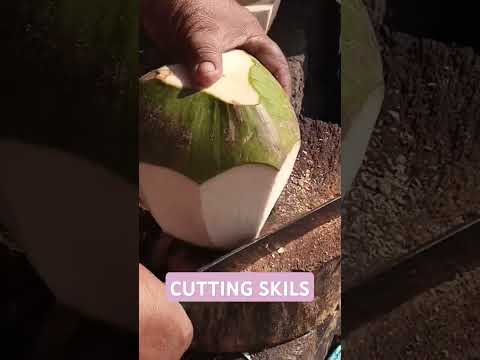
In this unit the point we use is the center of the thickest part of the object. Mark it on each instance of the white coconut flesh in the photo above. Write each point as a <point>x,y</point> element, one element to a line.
<point>229,205</point>
<point>233,87</point>
<point>362,87</point>
<point>356,139</point>
<point>224,211</point>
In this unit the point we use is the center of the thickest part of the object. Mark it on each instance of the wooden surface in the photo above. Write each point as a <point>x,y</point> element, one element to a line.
<point>241,327</point>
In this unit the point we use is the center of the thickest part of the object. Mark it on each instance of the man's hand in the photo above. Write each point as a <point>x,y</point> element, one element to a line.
<point>165,331</point>
<point>201,30</point>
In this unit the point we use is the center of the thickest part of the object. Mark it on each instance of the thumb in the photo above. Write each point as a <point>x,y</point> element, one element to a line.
<point>204,55</point>
<point>165,331</point>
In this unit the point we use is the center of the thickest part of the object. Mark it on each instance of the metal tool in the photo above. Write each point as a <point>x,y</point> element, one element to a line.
<point>249,253</point>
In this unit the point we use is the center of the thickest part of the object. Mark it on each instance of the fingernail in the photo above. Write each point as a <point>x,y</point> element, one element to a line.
<point>206,67</point>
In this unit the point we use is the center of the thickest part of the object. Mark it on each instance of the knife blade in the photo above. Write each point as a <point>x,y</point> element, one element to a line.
<point>263,246</point>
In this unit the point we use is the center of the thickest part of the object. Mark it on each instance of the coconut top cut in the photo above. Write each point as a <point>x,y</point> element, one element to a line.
<point>244,118</point>
<point>233,87</point>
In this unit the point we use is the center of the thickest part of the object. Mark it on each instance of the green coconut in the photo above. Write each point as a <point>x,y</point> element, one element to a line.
<point>362,86</point>
<point>214,161</point>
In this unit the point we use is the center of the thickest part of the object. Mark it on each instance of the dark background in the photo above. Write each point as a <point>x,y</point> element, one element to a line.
<point>69,84</point>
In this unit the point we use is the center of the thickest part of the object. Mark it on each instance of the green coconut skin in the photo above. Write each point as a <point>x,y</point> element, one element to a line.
<point>201,136</point>
<point>362,71</point>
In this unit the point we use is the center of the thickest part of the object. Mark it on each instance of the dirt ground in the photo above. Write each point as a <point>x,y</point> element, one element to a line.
<point>421,177</point>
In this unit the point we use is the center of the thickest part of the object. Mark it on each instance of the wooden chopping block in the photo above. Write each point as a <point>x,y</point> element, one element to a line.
<point>242,327</point>
<point>312,346</point>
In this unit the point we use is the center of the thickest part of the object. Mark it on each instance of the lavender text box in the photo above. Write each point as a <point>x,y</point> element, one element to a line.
<point>240,287</point>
